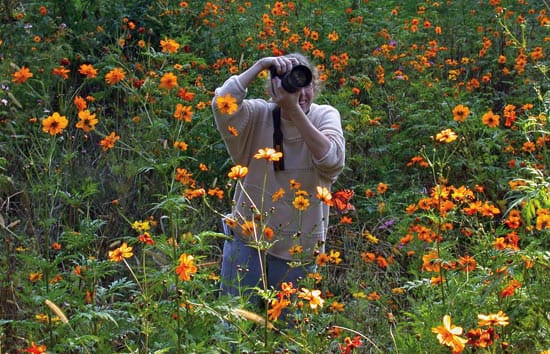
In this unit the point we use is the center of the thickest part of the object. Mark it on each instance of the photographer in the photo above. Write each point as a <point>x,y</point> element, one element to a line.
<point>311,140</point>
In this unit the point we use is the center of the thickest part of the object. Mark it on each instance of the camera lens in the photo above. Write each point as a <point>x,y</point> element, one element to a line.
<point>300,76</point>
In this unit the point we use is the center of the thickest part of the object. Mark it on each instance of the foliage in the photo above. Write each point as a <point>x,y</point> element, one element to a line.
<point>113,177</point>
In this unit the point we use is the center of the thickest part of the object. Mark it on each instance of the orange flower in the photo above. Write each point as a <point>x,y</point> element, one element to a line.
<point>186,95</point>
<point>184,177</point>
<point>54,124</point>
<point>336,307</point>
<point>322,259</point>
<point>62,72</point>
<point>381,188</point>
<point>115,76</point>
<point>109,141</point>
<point>87,121</point>
<point>333,36</point>
<point>21,75</point>
<point>35,349</point>
<point>248,228</point>
<point>490,119</point>
<point>80,103</point>
<point>118,254</point>
<point>88,70</point>
<point>460,113</point>
<point>233,130</point>
<point>238,172</point>
<point>467,263</point>
<point>35,277</point>
<point>269,154</point>
<point>169,46</point>
<point>449,335</point>
<point>168,81</point>
<point>276,307</point>
<point>227,104</point>
<point>183,112</point>
<point>146,238</point>
<point>510,289</point>
<point>277,195</point>
<point>186,267</point>
<point>268,233</point>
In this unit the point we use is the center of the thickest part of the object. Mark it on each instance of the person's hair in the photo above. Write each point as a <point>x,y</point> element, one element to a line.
<point>303,60</point>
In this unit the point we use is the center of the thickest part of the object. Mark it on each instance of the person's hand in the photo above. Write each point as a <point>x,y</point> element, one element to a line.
<point>280,64</point>
<point>286,100</point>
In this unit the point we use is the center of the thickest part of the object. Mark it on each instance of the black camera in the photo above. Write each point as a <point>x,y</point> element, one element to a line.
<point>293,80</point>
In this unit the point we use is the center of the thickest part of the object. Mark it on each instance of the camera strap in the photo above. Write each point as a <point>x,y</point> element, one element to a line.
<point>278,139</point>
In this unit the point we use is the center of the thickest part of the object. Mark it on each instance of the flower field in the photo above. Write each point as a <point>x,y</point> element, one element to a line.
<point>113,177</point>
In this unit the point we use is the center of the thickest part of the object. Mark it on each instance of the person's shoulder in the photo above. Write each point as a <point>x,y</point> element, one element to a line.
<point>321,109</point>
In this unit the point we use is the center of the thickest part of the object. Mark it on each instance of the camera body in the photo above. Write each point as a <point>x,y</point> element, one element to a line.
<point>292,81</point>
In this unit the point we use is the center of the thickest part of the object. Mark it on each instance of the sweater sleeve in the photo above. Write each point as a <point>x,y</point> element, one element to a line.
<point>328,122</point>
<point>237,129</point>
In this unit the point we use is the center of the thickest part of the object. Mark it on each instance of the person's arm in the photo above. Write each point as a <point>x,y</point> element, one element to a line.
<point>317,142</point>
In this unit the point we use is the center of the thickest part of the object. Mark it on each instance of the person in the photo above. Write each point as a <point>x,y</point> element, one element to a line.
<point>313,152</point>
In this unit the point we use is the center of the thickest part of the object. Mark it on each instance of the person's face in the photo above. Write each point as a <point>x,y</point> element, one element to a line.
<point>306,98</point>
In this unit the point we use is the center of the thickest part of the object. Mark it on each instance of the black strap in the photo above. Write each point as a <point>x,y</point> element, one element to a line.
<point>278,139</point>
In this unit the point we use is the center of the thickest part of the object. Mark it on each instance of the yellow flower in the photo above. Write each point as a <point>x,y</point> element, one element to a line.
<point>186,267</point>
<point>269,154</point>
<point>334,257</point>
<point>324,195</point>
<point>301,203</point>
<point>87,121</point>
<point>494,319</point>
<point>449,335</point>
<point>141,226</point>
<point>238,172</point>
<point>446,136</point>
<point>313,296</point>
<point>227,104</point>
<point>118,254</point>
<point>296,249</point>
<point>54,124</point>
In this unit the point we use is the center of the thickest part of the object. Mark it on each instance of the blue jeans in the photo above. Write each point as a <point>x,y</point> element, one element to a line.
<point>241,269</point>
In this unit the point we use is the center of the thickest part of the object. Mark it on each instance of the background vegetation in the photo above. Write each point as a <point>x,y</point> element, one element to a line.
<point>110,216</point>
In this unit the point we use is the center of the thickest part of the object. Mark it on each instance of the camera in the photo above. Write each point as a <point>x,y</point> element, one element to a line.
<point>293,80</point>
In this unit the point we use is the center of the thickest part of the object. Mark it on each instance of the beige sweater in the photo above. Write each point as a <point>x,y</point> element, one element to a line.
<point>254,124</point>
